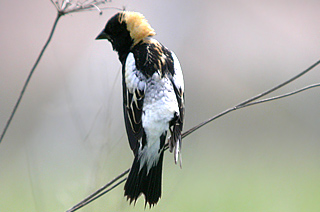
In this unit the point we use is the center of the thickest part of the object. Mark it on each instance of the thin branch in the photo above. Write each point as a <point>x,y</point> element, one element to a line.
<point>77,6</point>
<point>281,96</point>
<point>75,208</point>
<point>56,5</point>
<point>65,4</point>
<point>253,98</point>
<point>95,6</point>
<point>95,195</point>
<point>247,103</point>
<point>106,191</point>
<point>90,7</point>
<point>94,9</point>
<point>280,85</point>
<point>29,77</point>
<point>240,106</point>
<point>66,7</point>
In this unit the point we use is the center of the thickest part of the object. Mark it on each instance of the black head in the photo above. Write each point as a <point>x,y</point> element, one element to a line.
<point>124,30</point>
<point>117,34</point>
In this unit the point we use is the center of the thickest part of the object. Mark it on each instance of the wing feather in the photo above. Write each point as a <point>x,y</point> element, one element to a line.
<point>177,122</point>
<point>178,85</point>
<point>134,84</point>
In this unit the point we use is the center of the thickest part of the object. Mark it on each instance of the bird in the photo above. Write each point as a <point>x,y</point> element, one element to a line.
<point>153,101</point>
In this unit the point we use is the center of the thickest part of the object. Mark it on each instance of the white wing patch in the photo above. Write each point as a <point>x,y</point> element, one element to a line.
<point>162,100</point>
<point>135,85</point>
<point>134,78</point>
<point>175,139</point>
<point>178,76</point>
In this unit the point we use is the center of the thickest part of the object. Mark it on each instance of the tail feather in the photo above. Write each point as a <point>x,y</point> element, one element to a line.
<point>141,181</point>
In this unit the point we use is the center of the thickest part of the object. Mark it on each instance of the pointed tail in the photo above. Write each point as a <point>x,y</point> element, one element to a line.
<point>141,181</point>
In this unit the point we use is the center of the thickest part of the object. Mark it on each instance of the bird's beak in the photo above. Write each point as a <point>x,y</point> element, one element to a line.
<point>102,36</point>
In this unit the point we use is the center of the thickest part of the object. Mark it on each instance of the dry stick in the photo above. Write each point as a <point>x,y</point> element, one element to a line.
<point>247,103</point>
<point>94,196</point>
<point>240,106</point>
<point>29,77</point>
<point>281,96</point>
<point>61,12</point>
<point>252,99</point>
<point>106,191</point>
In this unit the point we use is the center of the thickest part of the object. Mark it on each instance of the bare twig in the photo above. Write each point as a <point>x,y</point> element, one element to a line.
<point>281,96</point>
<point>66,7</point>
<point>249,103</point>
<point>29,77</point>
<point>253,98</point>
<point>246,103</point>
<point>76,6</point>
<point>106,191</point>
<point>95,195</point>
<point>281,85</point>
<point>56,5</point>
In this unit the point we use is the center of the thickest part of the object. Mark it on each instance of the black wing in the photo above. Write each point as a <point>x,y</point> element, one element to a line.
<point>134,84</point>
<point>177,123</point>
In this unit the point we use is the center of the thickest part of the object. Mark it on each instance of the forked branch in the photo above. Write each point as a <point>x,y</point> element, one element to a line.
<point>63,8</point>
<point>249,102</point>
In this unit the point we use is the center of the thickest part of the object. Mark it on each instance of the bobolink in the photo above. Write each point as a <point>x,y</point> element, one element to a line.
<point>153,100</point>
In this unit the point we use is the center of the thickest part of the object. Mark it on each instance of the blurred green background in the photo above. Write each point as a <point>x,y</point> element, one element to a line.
<point>67,138</point>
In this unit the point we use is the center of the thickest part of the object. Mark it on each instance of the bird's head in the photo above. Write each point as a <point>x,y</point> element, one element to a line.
<point>126,29</point>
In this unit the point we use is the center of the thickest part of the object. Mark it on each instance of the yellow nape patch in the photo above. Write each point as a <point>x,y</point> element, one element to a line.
<point>137,25</point>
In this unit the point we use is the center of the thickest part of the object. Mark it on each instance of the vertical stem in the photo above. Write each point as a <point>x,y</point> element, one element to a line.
<point>30,75</point>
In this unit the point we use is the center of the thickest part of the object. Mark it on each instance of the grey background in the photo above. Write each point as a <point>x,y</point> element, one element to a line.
<point>67,138</point>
